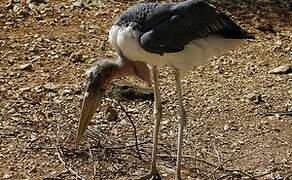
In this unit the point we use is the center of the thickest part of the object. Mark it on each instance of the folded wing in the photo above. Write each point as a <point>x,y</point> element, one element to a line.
<point>177,25</point>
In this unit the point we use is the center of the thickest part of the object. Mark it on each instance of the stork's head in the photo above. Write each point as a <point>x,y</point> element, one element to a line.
<point>99,77</point>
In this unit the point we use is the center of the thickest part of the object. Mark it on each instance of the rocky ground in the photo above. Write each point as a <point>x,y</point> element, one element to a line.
<point>46,46</point>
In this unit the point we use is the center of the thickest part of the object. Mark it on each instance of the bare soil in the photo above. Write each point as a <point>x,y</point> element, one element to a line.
<point>45,49</point>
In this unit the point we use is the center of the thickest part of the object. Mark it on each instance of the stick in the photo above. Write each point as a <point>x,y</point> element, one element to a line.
<point>220,166</point>
<point>241,172</point>
<point>105,132</point>
<point>134,127</point>
<point>287,113</point>
<point>189,157</point>
<point>59,152</point>
<point>223,177</point>
<point>135,130</point>
<point>127,146</point>
<point>91,159</point>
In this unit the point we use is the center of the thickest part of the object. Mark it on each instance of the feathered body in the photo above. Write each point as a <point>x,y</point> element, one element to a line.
<point>178,34</point>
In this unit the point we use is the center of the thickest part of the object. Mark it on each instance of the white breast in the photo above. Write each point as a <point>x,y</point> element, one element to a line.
<point>195,53</point>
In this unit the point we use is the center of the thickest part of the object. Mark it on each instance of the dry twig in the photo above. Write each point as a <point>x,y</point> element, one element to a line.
<point>106,131</point>
<point>92,160</point>
<point>135,130</point>
<point>240,172</point>
<point>287,113</point>
<point>132,123</point>
<point>59,152</point>
<point>218,167</point>
<point>127,146</point>
<point>189,157</point>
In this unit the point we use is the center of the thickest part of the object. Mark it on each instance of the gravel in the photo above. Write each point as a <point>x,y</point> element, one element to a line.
<point>46,47</point>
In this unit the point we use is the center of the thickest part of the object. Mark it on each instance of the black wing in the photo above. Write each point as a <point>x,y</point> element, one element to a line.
<point>175,26</point>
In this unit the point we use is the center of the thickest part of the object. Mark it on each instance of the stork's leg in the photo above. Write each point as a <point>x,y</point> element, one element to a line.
<point>157,114</point>
<point>154,174</point>
<point>182,123</point>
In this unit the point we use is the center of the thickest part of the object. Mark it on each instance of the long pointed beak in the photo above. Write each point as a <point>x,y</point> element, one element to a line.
<point>92,100</point>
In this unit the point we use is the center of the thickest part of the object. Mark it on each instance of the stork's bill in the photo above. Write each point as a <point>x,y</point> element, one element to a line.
<point>92,100</point>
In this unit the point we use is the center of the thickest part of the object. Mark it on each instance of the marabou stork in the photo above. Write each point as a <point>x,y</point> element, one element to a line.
<point>181,34</point>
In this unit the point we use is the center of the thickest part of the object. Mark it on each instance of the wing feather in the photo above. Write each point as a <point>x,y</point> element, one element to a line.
<point>181,23</point>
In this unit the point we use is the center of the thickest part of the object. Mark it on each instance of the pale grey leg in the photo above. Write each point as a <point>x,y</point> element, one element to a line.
<point>157,114</point>
<point>182,123</point>
<point>154,174</point>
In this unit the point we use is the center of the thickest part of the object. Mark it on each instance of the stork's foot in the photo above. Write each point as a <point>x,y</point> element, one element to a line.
<point>151,176</point>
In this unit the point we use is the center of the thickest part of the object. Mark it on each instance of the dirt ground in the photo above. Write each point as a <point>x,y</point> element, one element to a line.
<point>45,49</point>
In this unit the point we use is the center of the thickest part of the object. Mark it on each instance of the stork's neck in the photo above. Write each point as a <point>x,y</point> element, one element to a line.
<point>125,67</point>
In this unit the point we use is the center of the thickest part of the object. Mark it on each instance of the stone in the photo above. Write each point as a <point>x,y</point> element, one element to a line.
<point>256,98</point>
<point>78,4</point>
<point>226,127</point>
<point>76,57</point>
<point>65,92</point>
<point>50,87</point>
<point>24,89</point>
<point>265,27</point>
<point>7,176</point>
<point>111,114</point>
<point>27,66</point>
<point>37,1</point>
<point>284,69</point>
<point>33,137</point>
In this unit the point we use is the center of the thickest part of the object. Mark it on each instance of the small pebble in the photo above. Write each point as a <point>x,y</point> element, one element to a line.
<point>27,66</point>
